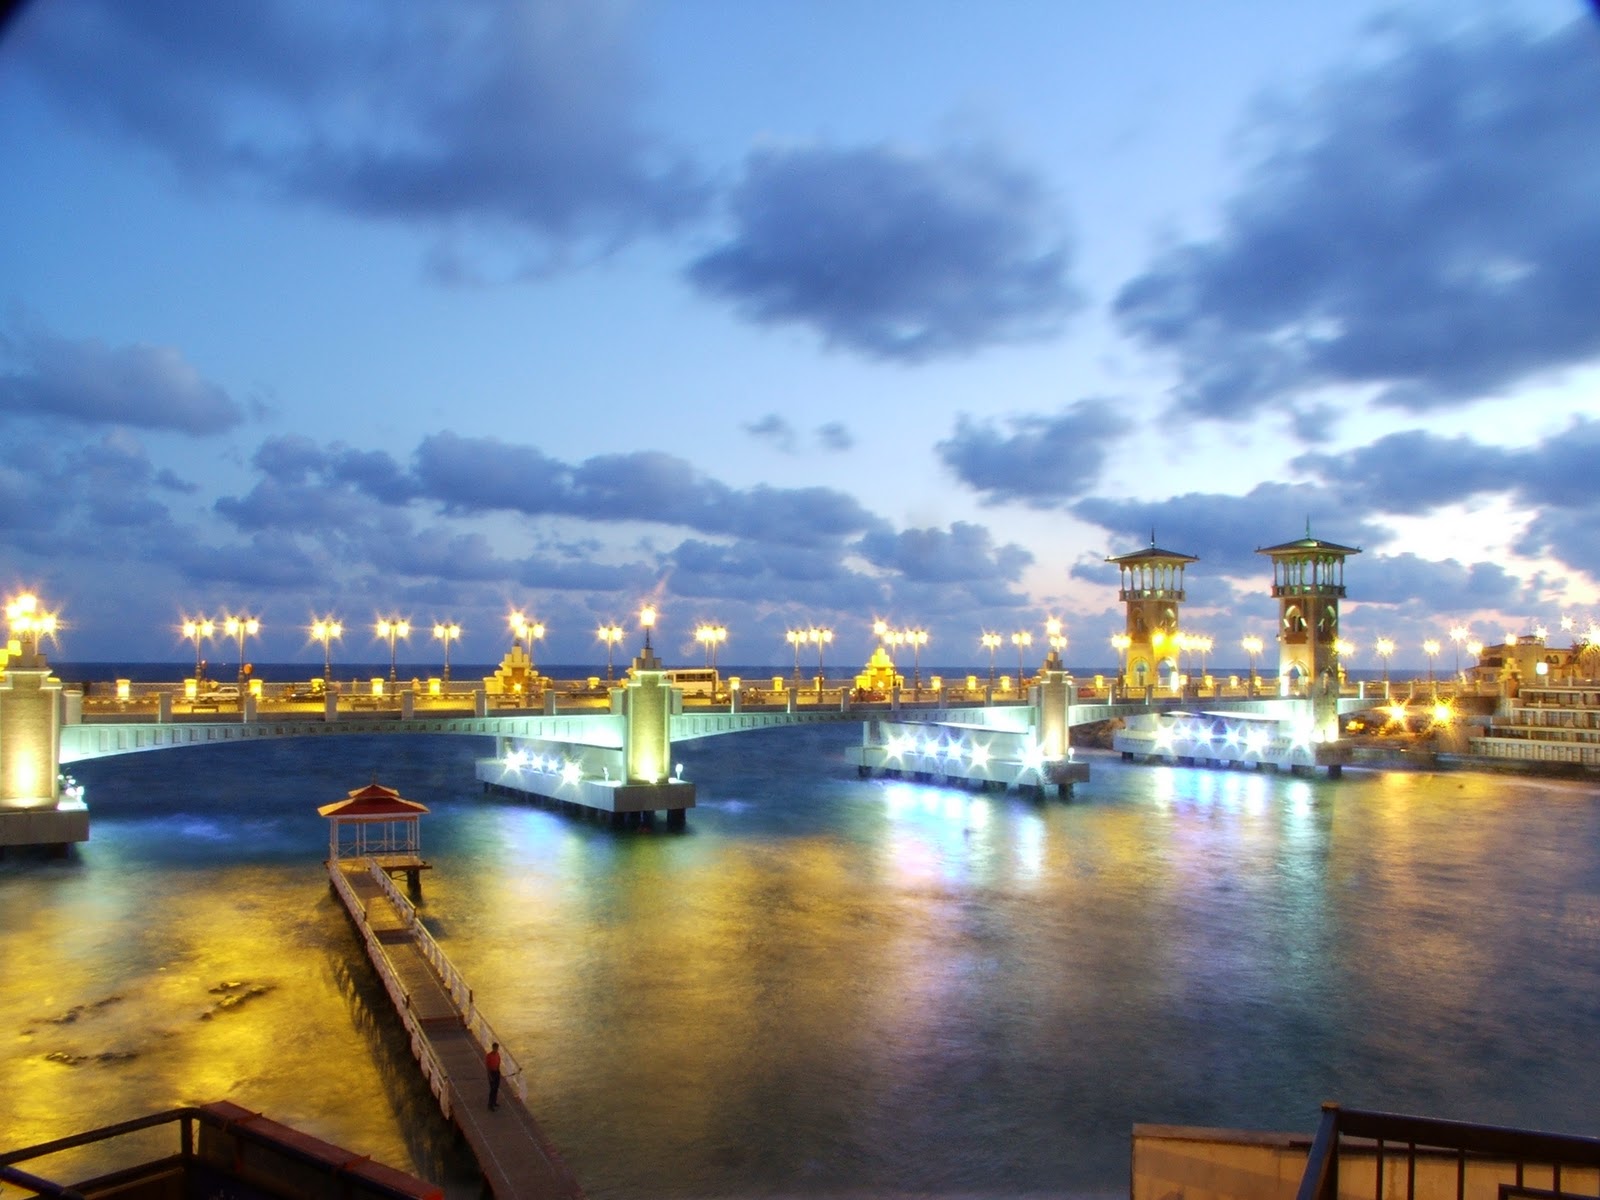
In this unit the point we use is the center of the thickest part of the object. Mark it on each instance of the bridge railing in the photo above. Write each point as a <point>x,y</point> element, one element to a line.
<point>454,982</point>
<point>432,1069</point>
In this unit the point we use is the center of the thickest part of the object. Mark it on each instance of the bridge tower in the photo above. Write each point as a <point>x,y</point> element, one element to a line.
<point>1308,583</point>
<point>33,810</point>
<point>1152,589</point>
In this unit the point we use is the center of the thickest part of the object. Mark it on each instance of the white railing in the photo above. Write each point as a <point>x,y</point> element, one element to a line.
<point>454,982</point>
<point>421,1049</point>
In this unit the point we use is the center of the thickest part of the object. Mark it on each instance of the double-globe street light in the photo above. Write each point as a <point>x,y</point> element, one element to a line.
<point>446,632</point>
<point>324,630</point>
<point>609,634</point>
<point>711,636</point>
<point>529,632</point>
<point>1022,639</point>
<point>390,629</point>
<point>240,628</point>
<point>916,639</point>
<point>820,637</point>
<point>796,638</point>
<point>991,643</point>
<point>198,630</point>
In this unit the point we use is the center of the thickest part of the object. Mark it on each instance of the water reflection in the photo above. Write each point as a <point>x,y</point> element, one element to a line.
<point>827,984</point>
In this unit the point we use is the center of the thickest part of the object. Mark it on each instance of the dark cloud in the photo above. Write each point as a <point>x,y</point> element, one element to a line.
<point>892,254</point>
<point>964,552</point>
<point>1042,460</point>
<point>89,383</point>
<point>466,114</point>
<point>835,436</point>
<point>484,474</point>
<point>1417,472</point>
<point>1450,586</point>
<point>1425,226</point>
<point>773,428</point>
<point>1225,531</point>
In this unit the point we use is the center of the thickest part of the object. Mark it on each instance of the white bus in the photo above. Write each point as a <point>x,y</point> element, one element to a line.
<point>694,681</point>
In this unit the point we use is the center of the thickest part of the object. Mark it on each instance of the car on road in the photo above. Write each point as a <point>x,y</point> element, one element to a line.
<point>222,693</point>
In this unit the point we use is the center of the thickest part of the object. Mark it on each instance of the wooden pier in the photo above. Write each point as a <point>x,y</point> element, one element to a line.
<point>449,1038</point>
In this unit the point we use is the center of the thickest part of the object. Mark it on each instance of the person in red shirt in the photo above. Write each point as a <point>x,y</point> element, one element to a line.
<point>492,1063</point>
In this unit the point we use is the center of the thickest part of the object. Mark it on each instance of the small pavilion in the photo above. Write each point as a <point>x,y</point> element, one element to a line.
<point>376,822</point>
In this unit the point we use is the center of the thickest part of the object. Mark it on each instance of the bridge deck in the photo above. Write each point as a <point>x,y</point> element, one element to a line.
<point>517,1159</point>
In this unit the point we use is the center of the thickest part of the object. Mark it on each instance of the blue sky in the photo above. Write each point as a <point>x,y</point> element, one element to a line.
<point>793,314</point>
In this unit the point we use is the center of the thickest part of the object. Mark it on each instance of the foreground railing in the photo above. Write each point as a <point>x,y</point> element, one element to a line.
<point>454,982</point>
<point>421,1049</point>
<point>223,1142</point>
<point>1485,1162</point>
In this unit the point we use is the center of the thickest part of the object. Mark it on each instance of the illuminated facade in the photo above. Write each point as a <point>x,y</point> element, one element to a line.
<point>1151,590</point>
<point>1308,583</point>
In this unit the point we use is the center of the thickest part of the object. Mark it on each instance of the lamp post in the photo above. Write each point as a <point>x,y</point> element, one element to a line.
<point>796,638</point>
<point>991,643</point>
<point>446,632</point>
<point>1384,647</point>
<point>1475,648</point>
<point>1431,649</point>
<point>29,623</point>
<point>241,628</point>
<point>711,636</point>
<point>1055,634</point>
<point>821,637</point>
<point>610,635</point>
<point>1120,643</point>
<point>197,631</point>
<point>1458,634</point>
<point>1021,640</point>
<point>1251,645</point>
<point>529,632</point>
<point>324,630</point>
<point>388,629</point>
<point>647,618</point>
<point>917,639</point>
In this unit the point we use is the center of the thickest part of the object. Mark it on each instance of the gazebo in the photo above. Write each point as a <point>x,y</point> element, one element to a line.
<point>376,822</point>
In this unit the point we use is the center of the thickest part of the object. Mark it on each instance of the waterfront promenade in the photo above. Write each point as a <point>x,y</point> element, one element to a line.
<point>449,1038</point>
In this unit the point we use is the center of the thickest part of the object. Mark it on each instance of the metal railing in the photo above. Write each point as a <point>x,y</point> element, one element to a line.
<point>1392,1139</point>
<point>454,982</point>
<point>421,1049</point>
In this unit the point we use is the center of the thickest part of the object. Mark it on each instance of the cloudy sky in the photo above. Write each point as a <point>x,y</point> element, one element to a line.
<point>794,313</point>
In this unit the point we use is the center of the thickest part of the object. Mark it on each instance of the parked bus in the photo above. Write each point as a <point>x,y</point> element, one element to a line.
<point>694,681</point>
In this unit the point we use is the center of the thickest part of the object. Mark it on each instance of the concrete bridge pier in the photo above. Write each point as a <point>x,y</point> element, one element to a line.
<point>33,809</point>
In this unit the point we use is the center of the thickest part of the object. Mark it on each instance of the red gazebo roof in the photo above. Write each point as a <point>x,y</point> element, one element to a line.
<point>374,800</point>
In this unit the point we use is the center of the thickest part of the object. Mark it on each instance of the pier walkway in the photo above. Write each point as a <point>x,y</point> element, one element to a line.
<point>449,1038</point>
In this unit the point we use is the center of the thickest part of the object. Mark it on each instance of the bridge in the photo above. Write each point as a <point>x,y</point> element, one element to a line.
<point>609,750</point>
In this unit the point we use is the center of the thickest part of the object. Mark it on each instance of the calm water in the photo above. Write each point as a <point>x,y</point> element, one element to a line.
<point>827,986</point>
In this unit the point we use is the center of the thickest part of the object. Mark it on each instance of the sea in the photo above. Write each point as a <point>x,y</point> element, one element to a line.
<point>825,986</point>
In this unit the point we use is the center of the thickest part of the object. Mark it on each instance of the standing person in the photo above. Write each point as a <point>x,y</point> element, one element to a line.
<point>492,1063</point>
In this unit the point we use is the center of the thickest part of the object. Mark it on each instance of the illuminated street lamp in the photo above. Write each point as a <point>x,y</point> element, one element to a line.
<point>647,618</point>
<point>1475,649</point>
<point>528,631</point>
<point>1055,634</point>
<point>1022,639</point>
<point>1252,646</point>
<point>1120,643</point>
<point>240,628</point>
<point>711,636</point>
<point>29,623</point>
<point>324,630</point>
<point>390,630</point>
<point>820,637</point>
<point>916,639</point>
<point>610,635</point>
<point>796,638</point>
<point>1384,647</point>
<point>1458,634</point>
<point>991,643</point>
<point>446,632</point>
<point>202,629</point>
<point>1431,649</point>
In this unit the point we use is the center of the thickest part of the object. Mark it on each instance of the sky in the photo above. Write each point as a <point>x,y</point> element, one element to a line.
<point>784,315</point>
